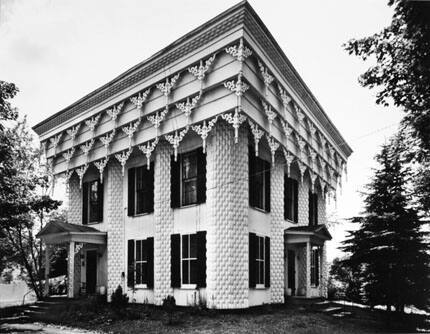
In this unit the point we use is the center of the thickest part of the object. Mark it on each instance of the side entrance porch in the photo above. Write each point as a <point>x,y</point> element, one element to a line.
<point>305,261</point>
<point>86,260</point>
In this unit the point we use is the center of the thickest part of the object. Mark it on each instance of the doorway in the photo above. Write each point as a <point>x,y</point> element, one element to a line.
<point>292,271</point>
<point>91,271</point>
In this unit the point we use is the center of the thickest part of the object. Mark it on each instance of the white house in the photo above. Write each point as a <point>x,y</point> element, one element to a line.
<point>202,173</point>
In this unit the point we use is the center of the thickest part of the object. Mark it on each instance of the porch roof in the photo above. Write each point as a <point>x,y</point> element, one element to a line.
<point>313,232</point>
<point>59,232</point>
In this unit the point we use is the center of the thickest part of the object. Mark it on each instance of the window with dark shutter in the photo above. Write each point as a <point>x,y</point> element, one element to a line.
<point>175,260</point>
<point>150,250</point>
<point>313,209</point>
<point>175,182</point>
<point>290,199</point>
<point>315,263</point>
<point>201,259</point>
<point>141,262</point>
<point>92,202</point>
<point>259,182</point>
<point>141,190</point>
<point>201,176</point>
<point>130,264</point>
<point>252,263</point>
<point>267,262</point>
<point>189,259</point>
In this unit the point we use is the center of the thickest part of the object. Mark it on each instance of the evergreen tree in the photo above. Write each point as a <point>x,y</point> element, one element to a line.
<point>389,246</point>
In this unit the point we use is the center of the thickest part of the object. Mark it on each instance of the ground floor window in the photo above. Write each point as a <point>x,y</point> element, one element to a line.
<point>189,259</point>
<point>315,264</point>
<point>140,268</point>
<point>259,261</point>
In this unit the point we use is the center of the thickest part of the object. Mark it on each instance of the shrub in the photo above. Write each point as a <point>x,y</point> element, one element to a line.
<point>169,306</point>
<point>119,299</point>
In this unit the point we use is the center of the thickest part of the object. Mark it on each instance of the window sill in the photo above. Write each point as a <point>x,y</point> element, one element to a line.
<point>290,221</point>
<point>141,287</point>
<point>260,287</point>
<point>188,206</point>
<point>258,209</point>
<point>142,214</point>
<point>188,287</point>
<point>93,223</point>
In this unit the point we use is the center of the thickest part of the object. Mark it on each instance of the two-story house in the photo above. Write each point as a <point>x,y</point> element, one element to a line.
<point>202,173</point>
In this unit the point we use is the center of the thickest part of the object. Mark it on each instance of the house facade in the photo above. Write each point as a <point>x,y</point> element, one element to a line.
<point>201,173</point>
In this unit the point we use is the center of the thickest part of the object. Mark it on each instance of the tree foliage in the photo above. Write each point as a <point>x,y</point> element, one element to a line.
<point>389,247</point>
<point>349,279</point>
<point>401,74</point>
<point>24,203</point>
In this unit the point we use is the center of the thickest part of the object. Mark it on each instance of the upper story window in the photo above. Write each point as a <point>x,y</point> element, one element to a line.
<point>92,198</point>
<point>188,260</point>
<point>141,190</point>
<point>259,261</point>
<point>291,199</point>
<point>313,209</point>
<point>259,182</point>
<point>188,178</point>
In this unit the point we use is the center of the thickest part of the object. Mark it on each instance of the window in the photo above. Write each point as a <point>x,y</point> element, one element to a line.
<point>141,190</point>
<point>313,209</point>
<point>92,209</point>
<point>259,261</point>
<point>259,182</point>
<point>315,263</point>
<point>291,199</point>
<point>188,179</point>
<point>141,262</point>
<point>189,259</point>
<point>140,268</point>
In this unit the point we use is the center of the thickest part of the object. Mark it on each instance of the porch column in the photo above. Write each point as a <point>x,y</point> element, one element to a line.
<point>324,271</point>
<point>71,269</point>
<point>308,269</point>
<point>47,268</point>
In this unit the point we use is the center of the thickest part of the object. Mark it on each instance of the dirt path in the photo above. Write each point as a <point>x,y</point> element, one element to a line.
<point>38,328</point>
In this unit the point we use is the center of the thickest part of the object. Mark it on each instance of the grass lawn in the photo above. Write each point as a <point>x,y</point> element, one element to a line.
<point>93,315</point>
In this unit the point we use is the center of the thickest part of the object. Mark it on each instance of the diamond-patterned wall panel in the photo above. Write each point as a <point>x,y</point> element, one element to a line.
<point>115,221</point>
<point>277,232</point>
<point>74,212</point>
<point>163,214</point>
<point>227,202</point>
<point>301,271</point>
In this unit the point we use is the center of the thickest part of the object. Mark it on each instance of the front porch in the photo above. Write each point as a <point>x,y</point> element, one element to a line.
<point>305,261</point>
<point>86,260</point>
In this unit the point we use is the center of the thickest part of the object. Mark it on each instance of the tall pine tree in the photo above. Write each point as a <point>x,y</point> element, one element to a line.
<point>389,247</point>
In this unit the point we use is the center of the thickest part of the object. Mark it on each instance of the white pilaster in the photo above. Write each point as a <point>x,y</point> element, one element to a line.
<point>71,269</point>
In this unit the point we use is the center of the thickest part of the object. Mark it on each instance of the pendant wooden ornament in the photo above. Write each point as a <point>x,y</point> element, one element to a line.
<point>302,169</point>
<point>101,165</point>
<point>286,99</point>
<point>273,145</point>
<point>157,119</point>
<point>240,52</point>
<point>86,148</point>
<point>257,133</point>
<point>188,106</point>
<point>313,176</point>
<point>176,139</point>
<point>81,172</point>
<point>129,130</point>
<point>204,129</point>
<point>114,111</point>
<point>302,145</point>
<point>55,141</point>
<point>92,123</point>
<point>289,158</point>
<point>140,99</point>
<point>271,115</point>
<point>299,113</point>
<point>106,140</point>
<point>288,130</point>
<point>73,132</point>
<point>267,78</point>
<point>235,120</point>
<point>147,150</point>
<point>122,158</point>
<point>199,71</point>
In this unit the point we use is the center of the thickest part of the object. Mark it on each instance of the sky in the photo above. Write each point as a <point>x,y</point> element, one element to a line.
<point>58,51</point>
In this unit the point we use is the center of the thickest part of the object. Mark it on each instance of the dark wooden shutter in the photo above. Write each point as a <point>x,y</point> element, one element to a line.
<point>317,267</point>
<point>267,262</point>
<point>151,188</point>
<point>201,259</point>
<point>85,203</point>
<point>252,258</point>
<point>131,191</point>
<point>311,208</point>
<point>130,264</point>
<point>296,200</point>
<point>100,201</point>
<point>150,252</point>
<point>251,177</point>
<point>267,185</point>
<point>315,199</point>
<point>201,176</point>
<point>286,197</point>
<point>175,182</point>
<point>175,260</point>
